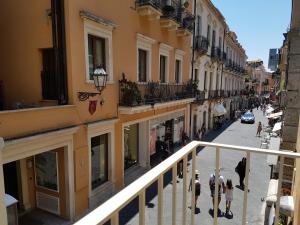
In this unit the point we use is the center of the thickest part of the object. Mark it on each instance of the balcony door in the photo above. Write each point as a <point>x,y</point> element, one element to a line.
<point>48,75</point>
<point>213,41</point>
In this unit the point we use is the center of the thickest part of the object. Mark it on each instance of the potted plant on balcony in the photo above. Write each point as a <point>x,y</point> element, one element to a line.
<point>153,92</point>
<point>192,87</point>
<point>130,94</point>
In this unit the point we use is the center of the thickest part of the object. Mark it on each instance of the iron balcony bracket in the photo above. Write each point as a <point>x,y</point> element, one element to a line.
<point>83,96</point>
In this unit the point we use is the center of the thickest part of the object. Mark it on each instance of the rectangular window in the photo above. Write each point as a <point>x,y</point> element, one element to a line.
<point>48,75</point>
<point>217,82</point>
<point>96,54</point>
<point>199,27</point>
<point>208,34</point>
<point>99,160</point>
<point>213,41</point>
<point>142,65</point>
<point>197,74</point>
<point>46,174</point>
<point>220,43</point>
<point>210,80</point>
<point>163,69</point>
<point>205,80</point>
<point>177,71</point>
<point>131,145</point>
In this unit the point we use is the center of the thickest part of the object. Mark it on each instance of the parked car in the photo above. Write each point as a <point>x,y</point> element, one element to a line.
<point>248,117</point>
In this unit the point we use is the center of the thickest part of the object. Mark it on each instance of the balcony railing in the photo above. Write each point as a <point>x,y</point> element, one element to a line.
<point>171,11</point>
<point>109,211</point>
<point>201,44</point>
<point>200,97</point>
<point>224,56</point>
<point>216,53</point>
<point>221,93</point>
<point>153,3</point>
<point>186,20</point>
<point>136,94</point>
<point>212,94</point>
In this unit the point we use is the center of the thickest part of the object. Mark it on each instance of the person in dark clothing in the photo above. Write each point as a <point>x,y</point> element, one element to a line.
<point>161,148</point>
<point>241,171</point>
<point>184,138</point>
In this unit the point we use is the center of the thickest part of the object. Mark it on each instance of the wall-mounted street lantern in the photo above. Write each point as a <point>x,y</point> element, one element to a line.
<point>100,79</point>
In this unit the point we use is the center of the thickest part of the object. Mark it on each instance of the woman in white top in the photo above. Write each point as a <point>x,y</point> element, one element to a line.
<point>228,195</point>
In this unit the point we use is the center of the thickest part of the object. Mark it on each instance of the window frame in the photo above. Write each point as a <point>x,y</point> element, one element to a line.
<point>145,43</point>
<point>208,31</point>
<point>138,65</point>
<point>97,131</point>
<point>165,69</point>
<point>164,50</point>
<point>94,37</point>
<point>107,160</point>
<point>179,56</point>
<point>178,70</point>
<point>98,31</point>
<point>138,143</point>
<point>205,81</point>
<point>199,25</point>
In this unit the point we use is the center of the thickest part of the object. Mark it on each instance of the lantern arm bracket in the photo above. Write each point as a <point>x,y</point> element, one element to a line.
<point>83,96</point>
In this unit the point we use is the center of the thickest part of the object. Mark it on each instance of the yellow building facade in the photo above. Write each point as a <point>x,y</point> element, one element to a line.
<point>67,149</point>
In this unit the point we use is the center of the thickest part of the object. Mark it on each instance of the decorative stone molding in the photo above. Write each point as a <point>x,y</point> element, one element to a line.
<point>98,19</point>
<point>209,19</point>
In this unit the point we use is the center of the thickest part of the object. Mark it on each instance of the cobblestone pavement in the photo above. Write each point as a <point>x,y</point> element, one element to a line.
<point>236,134</point>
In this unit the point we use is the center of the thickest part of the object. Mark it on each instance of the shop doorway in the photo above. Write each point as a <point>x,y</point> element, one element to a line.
<point>12,180</point>
<point>49,182</point>
<point>38,183</point>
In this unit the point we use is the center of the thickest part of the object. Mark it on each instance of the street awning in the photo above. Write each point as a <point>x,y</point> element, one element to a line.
<point>287,205</point>
<point>269,110</point>
<point>274,145</point>
<point>277,126</point>
<point>275,115</point>
<point>219,110</point>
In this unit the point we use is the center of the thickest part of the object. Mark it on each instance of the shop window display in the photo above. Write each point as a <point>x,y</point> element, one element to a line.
<point>46,173</point>
<point>131,134</point>
<point>99,160</point>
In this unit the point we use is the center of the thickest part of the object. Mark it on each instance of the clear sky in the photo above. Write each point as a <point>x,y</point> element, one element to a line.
<point>259,24</point>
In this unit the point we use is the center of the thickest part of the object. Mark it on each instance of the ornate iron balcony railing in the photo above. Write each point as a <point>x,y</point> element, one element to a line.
<point>201,44</point>
<point>136,94</point>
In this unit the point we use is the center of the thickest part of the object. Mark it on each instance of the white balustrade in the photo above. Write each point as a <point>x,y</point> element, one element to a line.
<point>111,208</point>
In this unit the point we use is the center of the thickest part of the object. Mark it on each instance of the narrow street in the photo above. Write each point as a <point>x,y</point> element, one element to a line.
<point>236,134</point>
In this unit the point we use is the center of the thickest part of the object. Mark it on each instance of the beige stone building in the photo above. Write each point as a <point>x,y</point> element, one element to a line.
<point>214,47</point>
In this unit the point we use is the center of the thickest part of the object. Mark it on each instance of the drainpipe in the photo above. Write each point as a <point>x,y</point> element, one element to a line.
<point>3,214</point>
<point>193,58</point>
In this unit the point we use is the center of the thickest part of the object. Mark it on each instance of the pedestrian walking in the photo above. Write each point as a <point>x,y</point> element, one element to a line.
<point>197,187</point>
<point>199,134</point>
<point>228,195</point>
<point>240,169</point>
<point>259,129</point>
<point>220,188</point>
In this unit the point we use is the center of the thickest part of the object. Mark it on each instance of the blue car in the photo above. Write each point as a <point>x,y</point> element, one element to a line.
<point>248,117</point>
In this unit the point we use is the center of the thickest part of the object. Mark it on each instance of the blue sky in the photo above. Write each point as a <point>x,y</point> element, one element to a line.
<point>259,24</point>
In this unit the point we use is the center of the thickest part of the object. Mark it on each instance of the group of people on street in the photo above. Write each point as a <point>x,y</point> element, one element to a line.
<point>201,132</point>
<point>226,189</point>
